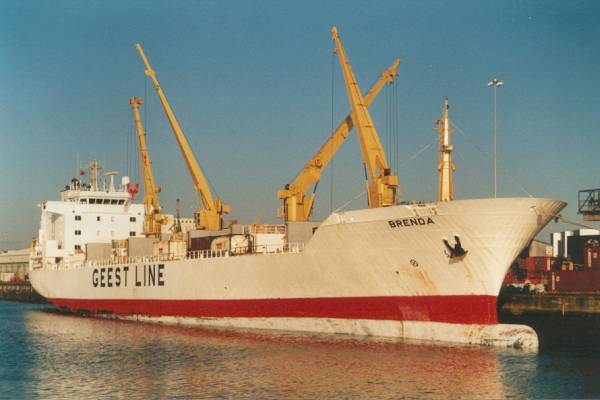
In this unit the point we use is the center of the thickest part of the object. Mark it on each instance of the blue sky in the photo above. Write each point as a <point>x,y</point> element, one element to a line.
<point>251,83</point>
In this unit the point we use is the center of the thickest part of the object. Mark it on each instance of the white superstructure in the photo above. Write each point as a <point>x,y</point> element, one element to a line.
<point>86,214</point>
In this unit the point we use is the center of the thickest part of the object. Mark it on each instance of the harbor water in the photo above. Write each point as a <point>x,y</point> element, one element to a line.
<point>48,355</point>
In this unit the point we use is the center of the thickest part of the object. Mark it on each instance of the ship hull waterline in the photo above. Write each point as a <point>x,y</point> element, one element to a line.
<point>380,272</point>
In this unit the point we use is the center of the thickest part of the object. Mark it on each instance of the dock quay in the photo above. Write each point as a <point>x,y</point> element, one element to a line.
<point>20,291</point>
<point>563,303</point>
<point>14,285</point>
<point>560,319</point>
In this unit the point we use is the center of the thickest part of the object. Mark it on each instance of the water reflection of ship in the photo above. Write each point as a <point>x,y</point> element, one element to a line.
<point>81,357</point>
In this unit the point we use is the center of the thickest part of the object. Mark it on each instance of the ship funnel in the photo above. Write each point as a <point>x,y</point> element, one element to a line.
<point>124,182</point>
<point>111,176</point>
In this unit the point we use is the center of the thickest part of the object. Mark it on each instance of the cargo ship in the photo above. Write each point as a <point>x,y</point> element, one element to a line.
<point>383,272</point>
<point>428,271</point>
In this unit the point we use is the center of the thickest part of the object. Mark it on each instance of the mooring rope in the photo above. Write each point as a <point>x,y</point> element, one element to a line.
<point>566,220</point>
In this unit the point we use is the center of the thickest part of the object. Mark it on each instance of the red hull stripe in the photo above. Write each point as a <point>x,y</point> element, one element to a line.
<point>471,309</point>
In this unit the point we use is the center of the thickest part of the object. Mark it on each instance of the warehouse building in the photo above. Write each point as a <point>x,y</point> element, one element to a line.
<point>14,264</point>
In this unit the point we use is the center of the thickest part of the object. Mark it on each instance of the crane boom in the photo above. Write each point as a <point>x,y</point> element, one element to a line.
<point>297,206</point>
<point>211,216</point>
<point>383,187</point>
<point>153,218</point>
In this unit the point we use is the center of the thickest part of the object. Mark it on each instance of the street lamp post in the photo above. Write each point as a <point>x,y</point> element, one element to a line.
<point>495,83</point>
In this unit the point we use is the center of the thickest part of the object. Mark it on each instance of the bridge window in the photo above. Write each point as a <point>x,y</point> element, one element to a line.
<point>92,201</point>
<point>121,201</point>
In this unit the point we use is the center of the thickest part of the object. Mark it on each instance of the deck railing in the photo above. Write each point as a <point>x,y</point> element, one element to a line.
<point>265,250</point>
<point>265,228</point>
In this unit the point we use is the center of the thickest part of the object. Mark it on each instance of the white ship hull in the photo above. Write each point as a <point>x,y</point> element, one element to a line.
<point>379,271</point>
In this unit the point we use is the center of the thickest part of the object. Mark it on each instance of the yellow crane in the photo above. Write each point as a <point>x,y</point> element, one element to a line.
<point>297,205</point>
<point>445,165</point>
<point>153,219</point>
<point>383,188</point>
<point>210,216</point>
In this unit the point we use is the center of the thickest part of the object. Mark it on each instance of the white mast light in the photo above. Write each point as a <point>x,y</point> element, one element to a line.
<point>495,83</point>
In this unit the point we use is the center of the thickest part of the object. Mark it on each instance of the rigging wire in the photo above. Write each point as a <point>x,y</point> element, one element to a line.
<point>136,158</point>
<point>210,185</point>
<point>397,114</point>
<point>331,170</point>
<point>350,201</point>
<point>415,155</point>
<point>387,122</point>
<point>128,145</point>
<point>132,148</point>
<point>487,154</point>
<point>392,124</point>
<point>146,108</point>
<point>459,154</point>
<point>394,130</point>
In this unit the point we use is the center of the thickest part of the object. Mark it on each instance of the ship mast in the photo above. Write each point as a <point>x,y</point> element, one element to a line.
<point>94,167</point>
<point>153,219</point>
<point>176,228</point>
<point>445,165</point>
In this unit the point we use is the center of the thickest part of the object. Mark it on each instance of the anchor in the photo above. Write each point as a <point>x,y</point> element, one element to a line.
<point>456,251</point>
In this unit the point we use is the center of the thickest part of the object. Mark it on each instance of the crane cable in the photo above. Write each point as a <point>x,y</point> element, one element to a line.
<point>387,123</point>
<point>392,126</point>
<point>397,130</point>
<point>331,170</point>
<point>128,145</point>
<point>412,157</point>
<point>394,133</point>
